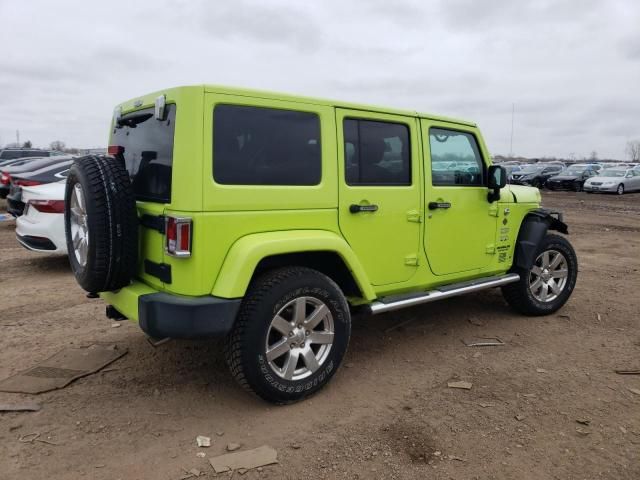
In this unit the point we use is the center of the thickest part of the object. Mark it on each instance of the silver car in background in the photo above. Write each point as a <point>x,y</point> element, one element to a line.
<point>614,180</point>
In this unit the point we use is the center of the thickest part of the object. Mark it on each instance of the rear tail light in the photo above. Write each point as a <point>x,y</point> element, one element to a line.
<point>47,206</point>
<point>5,178</point>
<point>26,183</point>
<point>178,236</point>
<point>115,150</point>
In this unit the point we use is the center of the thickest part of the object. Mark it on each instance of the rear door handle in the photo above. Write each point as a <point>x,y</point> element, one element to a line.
<point>436,205</point>
<point>362,208</point>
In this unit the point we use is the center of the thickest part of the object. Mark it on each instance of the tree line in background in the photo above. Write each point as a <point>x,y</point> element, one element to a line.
<point>56,145</point>
<point>633,150</point>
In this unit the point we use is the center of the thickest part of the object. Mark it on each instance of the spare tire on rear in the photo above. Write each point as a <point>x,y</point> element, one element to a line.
<point>101,223</point>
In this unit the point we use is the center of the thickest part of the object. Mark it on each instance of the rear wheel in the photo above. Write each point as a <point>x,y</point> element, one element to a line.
<point>620,189</point>
<point>548,284</point>
<point>290,336</point>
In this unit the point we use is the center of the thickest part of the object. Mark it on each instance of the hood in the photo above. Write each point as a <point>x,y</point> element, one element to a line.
<point>49,191</point>
<point>520,194</point>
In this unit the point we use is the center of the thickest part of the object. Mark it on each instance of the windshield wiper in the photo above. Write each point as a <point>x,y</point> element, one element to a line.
<point>133,119</point>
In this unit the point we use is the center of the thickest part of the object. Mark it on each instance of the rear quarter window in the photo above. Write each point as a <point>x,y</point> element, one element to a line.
<point>265,146</point>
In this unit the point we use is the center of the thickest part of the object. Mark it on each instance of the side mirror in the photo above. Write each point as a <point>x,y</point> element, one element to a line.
<point>497,180</point>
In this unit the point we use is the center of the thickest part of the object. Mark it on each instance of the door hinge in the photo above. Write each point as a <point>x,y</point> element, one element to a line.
<point>491,249</point>
<point>414,216</point>
<point>161,271</point>
<point>411,260</point>
<point>493,209</point>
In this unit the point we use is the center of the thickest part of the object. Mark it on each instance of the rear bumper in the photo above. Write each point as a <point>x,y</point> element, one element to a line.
<point>46,228</point>
<point>162,315</point>
<point>37,244</point>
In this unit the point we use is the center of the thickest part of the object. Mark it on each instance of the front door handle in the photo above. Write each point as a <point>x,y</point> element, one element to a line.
<point>436,205</point>
<point>354,208</point>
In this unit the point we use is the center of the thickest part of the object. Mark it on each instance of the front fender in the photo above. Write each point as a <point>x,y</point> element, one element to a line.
<point>532,230</point>
<point>245,254</point>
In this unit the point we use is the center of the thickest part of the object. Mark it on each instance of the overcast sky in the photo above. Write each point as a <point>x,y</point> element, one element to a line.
<point>571,67</point>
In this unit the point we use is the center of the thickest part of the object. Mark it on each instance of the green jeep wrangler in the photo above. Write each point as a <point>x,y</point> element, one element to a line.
<point>268,219</point>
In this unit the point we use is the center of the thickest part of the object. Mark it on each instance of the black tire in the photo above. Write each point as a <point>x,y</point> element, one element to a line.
<point>246,346</point>
<point>620,189</point>
<point>519,295</point>
<point>111,223</point>
<point>577,187</point>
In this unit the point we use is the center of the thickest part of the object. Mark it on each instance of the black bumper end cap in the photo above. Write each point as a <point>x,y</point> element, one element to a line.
<point>162,315</point>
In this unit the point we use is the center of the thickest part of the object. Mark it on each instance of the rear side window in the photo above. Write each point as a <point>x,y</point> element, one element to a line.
<point>455,158</point>
<point>148,151</point>
<point>376,153</point>
<point>265,146</point>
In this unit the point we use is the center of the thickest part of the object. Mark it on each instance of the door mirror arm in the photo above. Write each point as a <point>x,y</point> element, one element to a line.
<point>497,181</point>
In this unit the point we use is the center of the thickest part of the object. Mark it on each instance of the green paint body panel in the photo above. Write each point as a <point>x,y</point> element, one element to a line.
<point>247,252</point>
<point>403,247</point>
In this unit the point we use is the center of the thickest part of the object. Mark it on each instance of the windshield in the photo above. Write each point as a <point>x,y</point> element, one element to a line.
<point>148,151</point>
<point>575,170</point>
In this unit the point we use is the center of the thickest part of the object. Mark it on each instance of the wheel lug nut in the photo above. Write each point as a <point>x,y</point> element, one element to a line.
<point>291,334</point>
<point>307,333</point>
<point>299,325</point>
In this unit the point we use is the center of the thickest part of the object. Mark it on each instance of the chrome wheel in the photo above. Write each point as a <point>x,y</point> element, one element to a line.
<point>300,338</point>
<point>78,223</point>
<point>548,276</point>
<point>620,189</point>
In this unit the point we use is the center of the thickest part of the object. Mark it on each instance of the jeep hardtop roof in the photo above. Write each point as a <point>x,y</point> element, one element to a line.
<point>135,103</point>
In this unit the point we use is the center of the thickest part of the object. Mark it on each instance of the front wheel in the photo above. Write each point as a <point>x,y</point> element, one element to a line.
<point>290,336</point>
<point>620,189</point>
<point>548,284</point>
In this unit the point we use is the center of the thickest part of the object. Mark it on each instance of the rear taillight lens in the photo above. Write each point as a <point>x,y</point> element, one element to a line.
<point>115,150</point>
<point>5,178</point>
<point>47,206</point>
<point>178,236</point>
<point>26,183</point>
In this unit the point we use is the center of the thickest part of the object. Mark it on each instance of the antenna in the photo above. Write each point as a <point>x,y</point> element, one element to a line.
<point>513,110</point>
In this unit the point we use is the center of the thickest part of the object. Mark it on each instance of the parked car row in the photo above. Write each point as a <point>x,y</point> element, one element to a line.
<point>34,188</point>
<point>591,177</point>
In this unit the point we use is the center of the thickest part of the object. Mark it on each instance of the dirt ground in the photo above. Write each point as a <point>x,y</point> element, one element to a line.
<point>387,413</point>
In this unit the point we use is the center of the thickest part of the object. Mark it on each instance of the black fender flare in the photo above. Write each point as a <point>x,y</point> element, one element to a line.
<point>533,229</point>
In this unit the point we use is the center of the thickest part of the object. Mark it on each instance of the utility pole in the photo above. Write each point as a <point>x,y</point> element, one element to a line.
<point>513,110</point>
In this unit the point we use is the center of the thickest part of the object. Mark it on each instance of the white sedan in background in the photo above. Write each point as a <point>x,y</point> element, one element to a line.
<point>41,227</point>
<point>614,180</point>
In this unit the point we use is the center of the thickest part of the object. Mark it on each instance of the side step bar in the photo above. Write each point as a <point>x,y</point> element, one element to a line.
<point>396,302</point>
